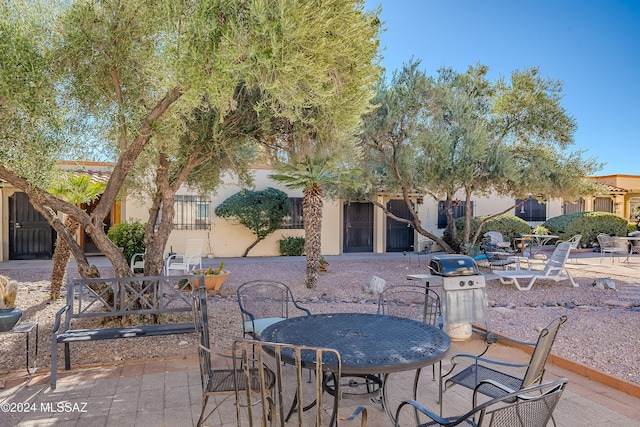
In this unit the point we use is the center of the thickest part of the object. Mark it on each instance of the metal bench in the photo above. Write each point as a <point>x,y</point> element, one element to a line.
<point>101,298</point>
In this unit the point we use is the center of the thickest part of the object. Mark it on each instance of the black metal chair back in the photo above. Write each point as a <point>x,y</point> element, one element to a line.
<point>413,302</point>
<point>263,302</point>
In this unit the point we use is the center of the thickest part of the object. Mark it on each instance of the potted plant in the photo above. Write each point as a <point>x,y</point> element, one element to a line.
<point>9,314</point>
<point>213,279</point>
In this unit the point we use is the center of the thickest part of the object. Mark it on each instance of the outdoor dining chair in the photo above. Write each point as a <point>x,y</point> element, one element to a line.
<point>612,246</point>
<point>412,302</point>
<point>287,361</point>
<point>482,378</point>
<point>263,303</point>
<point>529,407</point>
<point>221,381</point>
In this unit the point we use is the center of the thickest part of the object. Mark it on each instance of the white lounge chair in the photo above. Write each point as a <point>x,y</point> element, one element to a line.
<point>554,269</point>
<point>192,257</point>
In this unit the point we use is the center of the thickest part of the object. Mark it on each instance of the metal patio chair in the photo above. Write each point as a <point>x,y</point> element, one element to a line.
<point>612,246</point>
<point>225,381</point>
<point>529,407</point>
<point>491,382</point>
<point>412,302</point>
<point>288,361</point>
<point>263,303</point>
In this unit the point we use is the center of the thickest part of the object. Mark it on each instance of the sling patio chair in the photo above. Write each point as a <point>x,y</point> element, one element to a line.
<point>288,362</point>
<point>529,407</point>
<point>221,381</point>
<point>482,378</point>
<point>554,269</point>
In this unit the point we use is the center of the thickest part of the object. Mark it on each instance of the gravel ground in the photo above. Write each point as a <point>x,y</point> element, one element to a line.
<point>600,333</point>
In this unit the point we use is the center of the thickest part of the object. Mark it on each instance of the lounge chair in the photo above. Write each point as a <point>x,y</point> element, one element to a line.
<point>554,269</point>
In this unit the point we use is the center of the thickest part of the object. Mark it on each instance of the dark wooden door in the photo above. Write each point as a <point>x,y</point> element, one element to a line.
<point>399,236</point>
<point>30,235</point>
<point>358,227</point>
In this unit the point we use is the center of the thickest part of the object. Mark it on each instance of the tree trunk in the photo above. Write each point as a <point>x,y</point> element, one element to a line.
<point>312,214</point>
<point>61,256</point>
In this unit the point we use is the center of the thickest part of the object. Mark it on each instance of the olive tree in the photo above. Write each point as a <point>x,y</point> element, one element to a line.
<point>460,133</point>
<point>128,75</point>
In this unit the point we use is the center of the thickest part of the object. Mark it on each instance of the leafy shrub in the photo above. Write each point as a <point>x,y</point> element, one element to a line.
<point>589,224</point>
<point>128,235</point>
<point>510,226</point>
<point>291,246</point>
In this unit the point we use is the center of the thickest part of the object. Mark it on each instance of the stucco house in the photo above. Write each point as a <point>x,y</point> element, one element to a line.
<point>346,227</point>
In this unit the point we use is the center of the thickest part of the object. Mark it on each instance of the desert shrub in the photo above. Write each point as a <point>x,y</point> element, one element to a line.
<point>129,236</point>
<point>291,246</point>
<point>510,226</point>
<point>589,224</point>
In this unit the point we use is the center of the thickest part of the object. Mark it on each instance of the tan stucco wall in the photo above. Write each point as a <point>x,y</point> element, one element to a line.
<point>227,239</point>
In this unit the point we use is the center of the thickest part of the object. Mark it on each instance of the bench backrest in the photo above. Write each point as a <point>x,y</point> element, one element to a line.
<point>140,295</point>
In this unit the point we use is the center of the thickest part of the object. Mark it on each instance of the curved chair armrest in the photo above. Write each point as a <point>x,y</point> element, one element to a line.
<point>188,260</point>
<point>501,386</point>
<point>299,307</point>
<point>432,415</point>
<point>58,319</point>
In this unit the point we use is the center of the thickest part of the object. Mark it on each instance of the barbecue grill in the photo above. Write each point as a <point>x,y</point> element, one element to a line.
<point>463,293</point>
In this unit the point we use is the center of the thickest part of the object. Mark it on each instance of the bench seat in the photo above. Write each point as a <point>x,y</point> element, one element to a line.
<point>100,298</point>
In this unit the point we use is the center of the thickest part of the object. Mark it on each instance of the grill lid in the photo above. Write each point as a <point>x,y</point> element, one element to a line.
<point>453,265</point>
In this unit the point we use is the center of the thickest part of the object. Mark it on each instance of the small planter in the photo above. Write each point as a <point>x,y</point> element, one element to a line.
<point>9,317</point>
<point>213,282</point>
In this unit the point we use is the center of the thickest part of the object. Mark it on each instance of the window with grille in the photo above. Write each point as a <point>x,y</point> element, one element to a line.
<point>603,204</point>
<point>531,210</point>
<point>458,212</point>
<point>294,219</point>
<point>191,213</point>
<point>573,207</point>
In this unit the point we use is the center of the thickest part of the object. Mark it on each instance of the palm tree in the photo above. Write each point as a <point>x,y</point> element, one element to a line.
<point>313,175</point>
<point>75,188</point>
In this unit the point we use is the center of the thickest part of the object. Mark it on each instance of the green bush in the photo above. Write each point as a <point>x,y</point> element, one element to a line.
<point>510,226</point>
<point>589,224</point>
<point>291,246</point>
<point>128,235</point>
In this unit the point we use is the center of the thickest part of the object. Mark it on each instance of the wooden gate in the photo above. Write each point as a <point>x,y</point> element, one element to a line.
<point>30,235</point>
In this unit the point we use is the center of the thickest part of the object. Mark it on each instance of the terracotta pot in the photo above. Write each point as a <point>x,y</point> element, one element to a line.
<point>212,282</point>
<point>9,317</point>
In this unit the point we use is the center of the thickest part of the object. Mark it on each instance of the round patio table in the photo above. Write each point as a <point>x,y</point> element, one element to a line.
<point>367,343</point>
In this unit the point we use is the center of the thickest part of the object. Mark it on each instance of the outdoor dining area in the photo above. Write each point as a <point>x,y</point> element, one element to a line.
<point>298,368</point>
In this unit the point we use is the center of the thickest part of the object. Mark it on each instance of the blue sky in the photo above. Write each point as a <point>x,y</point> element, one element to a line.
<point>591,46</point>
